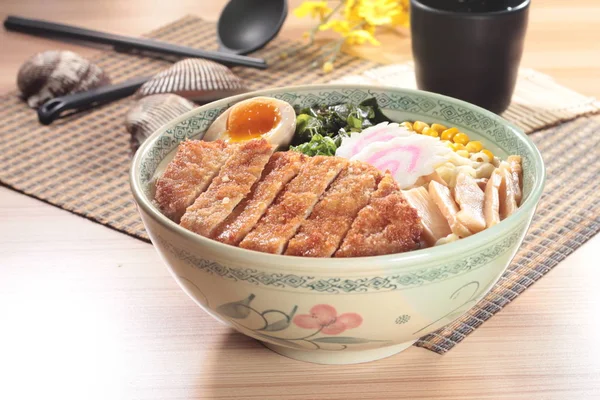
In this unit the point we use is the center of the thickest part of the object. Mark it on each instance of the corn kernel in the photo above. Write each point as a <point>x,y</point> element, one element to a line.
<point>439,128</point>
<point>428,131</point>
<point>461,138</point>
<point>458,146</point>
<point>418,126</point>
<point>463,153</point>
<point>474,146</point>
<point>407,125</point>
<point>448,134</point>
<point>489,154</point>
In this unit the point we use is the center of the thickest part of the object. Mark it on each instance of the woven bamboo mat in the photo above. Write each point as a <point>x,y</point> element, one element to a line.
<point>81,164</point>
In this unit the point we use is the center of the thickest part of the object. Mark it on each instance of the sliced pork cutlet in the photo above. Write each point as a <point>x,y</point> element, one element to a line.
<point>469,197</point>
<point>435,226</point>
<point>282,220</point>
<point>388,224</point>
<point>190,172</point>
<point>441,196</point>
<point>516,170</point>
<point>508,191</point>
<point>233,183</point>
<point>321,234</point>
<point>491,201</point>
<point>281,169</point>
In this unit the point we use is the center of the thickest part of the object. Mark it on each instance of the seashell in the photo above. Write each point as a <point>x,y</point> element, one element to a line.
<point>56,73</point>
<point>150,113</point>
<point>195,79</point>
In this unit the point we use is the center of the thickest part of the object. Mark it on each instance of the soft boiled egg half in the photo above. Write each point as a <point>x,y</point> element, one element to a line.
<point>258,117</point>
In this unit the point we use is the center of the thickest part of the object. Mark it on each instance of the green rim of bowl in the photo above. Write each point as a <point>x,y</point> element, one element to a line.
<point>389,262</point>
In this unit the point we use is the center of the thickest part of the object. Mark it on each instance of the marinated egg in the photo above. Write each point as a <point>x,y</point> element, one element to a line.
<point>271,119</point>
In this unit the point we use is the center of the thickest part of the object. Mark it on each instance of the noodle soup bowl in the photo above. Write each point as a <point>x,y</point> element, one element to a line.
<point>334,310</point>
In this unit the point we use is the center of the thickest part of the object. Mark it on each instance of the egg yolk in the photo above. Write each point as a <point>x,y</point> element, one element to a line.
<point>252,120</point>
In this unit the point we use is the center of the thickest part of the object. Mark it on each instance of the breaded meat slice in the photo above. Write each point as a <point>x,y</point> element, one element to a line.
<point>282,220</point>
<point>231,186</point>
<point>387,225</point>
<point>281,169</point>
<point>190,172</point>
<point>321,234</point>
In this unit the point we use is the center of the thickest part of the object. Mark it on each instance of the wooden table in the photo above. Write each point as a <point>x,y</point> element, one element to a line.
<point>89,313</point>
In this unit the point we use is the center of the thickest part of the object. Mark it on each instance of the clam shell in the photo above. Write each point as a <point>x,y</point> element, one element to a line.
<point>195,79</point>
<point>56,73</point>
<point>150,113</point>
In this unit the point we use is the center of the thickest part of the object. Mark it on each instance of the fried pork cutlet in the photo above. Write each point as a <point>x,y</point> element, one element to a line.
<point>281,169</point>
<point>321,234</point>
<point>190,172</point>
<point>293,205</point>
<point>388,224</point>
<point>233,183</point>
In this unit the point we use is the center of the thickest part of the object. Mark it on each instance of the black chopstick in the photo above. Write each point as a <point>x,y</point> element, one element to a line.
<point>34,26</point>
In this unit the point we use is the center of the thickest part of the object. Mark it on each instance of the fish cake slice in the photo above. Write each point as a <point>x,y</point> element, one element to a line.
<point>387,225</point>
<point>293,205</point>
<point>321,234</point>
<point>233,183</point>
<point>190,172</point>
<point>281,169</point>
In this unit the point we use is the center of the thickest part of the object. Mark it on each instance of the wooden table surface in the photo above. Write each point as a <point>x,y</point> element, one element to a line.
<point>90,313</point>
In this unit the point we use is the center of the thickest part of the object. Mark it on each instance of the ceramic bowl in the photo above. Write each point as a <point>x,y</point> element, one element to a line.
<point>340,311</point>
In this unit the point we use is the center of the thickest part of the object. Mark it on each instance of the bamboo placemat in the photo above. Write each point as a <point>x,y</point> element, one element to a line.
<point>81,164</point>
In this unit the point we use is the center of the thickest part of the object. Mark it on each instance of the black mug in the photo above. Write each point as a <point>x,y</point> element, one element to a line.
<point>469,49</point>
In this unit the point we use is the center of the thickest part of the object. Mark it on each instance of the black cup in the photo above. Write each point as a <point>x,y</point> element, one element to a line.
<point>469,49</point>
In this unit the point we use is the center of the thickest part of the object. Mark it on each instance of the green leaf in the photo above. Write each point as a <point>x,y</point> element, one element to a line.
<point>279,341</point>
<point>343,340</point>
<point>318,145</point>
<point>238,309</point>
<point>378,116</point>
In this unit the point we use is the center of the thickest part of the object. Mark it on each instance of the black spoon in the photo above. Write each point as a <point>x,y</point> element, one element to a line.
<point>244,26</point>
<point>248,25</point>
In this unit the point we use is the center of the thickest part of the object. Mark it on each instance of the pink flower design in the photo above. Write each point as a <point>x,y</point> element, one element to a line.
<point>325,318</point>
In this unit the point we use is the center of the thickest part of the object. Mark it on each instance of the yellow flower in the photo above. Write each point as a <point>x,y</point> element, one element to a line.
<point>378,12</point>
<point>336,25</point>
<point>327,67</point>
<point>361,36</point>
<point>314,8</point>
<point>351,11</point>
<point>403,17</point>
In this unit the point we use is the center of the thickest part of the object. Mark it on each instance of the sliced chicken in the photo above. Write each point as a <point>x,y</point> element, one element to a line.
<point>190,172</point>
<point>469,197</point>
<point>424,180</point>
<point>481,182</point>
<point>517,176</point>
<point>442,198</point>
<point>388,224</point>
<point>507,190</point>
<point>321,234</point>
<point>491,202</point>
<point>435,226</point>
<point>281,169</point>
<point>282,220</point>
<point>233,183</point>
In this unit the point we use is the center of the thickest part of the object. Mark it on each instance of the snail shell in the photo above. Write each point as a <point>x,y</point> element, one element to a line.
<point>56,73</point>
<point>195,79</point>
<point>150,113</point>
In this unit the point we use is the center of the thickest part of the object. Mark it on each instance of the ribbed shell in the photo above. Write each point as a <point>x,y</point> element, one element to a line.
<point>56,73</point>
<point>150,113</point>
<point>195,79</point>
